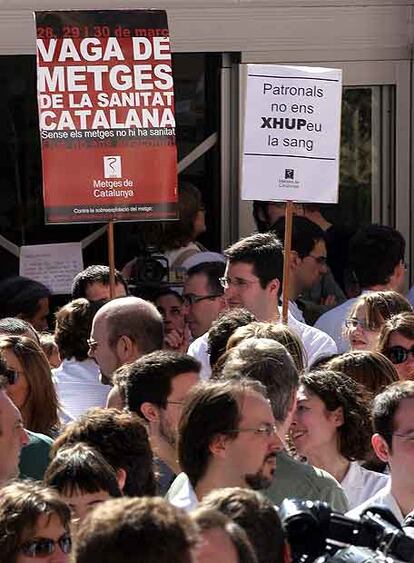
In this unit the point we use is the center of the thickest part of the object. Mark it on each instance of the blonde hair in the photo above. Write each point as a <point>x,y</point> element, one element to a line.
<point>279,332</point>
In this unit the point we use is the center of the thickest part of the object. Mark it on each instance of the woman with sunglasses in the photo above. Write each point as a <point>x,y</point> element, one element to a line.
<point>331,430</point>
<point>34,525</point>
<point>396,341</point>
<point>368,314</point>
<point>29,384</point>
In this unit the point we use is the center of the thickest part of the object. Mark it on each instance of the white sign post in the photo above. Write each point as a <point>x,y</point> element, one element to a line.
<point>291,134</point>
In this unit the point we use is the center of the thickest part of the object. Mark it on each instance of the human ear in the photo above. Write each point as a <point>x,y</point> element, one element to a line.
<point>338,416</point>
<point>150,412</point>
<point>218,445</point>
<point>121,476</point>
<point>381,448</point>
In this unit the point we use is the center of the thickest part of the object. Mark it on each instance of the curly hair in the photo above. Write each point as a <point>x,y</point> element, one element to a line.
<point>338,390</point>
<point>123,442</point>
<point>21,505</point>
<point>223,327</point>
<point>40,410</point>
<point>73,326</point>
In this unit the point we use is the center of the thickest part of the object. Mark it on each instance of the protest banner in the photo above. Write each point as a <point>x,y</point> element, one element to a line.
<point>106,115</point>
<point>291,133</point>
<point>291,140</point>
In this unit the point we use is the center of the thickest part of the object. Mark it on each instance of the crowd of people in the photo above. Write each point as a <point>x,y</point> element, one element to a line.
<point>170,428</point>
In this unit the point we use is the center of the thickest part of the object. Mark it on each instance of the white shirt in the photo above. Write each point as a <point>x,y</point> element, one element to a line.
<point>360,484</point>
<point>333,323</point>
<point>410,296</point>
<point>78,388</point>
<point>182,494</point>
<point>296,312</point>
<point>316,344</point>
<point>384,498</point>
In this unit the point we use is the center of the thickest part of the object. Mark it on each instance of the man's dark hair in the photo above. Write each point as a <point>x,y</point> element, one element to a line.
<point>139,529</point>
<point>73,327</point>
<point>263,251</point>
<point>256,515</point>
<point>374,252</point>
<point>213,272</point>
<point>162,292</point>
<point>20,296</point>
<point>336,389</point>
<point>209,519</point>
<point>81,467</point>
<point>305,234</point>
<point>148,379</point>
<point>270,363</point>
<point>210,409</point>
<point>121,439</point>
<point>223,327</point>
<point>13,326</point>
<point>386,405</point>
<point>93,274</point>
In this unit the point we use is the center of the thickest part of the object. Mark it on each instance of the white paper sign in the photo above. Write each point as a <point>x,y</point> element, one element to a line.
<point>54,265</point>
<point>291,134</point>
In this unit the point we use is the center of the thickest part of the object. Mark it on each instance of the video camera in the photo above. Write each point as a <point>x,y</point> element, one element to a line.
<point>151,272</point>
<point>317,534</point>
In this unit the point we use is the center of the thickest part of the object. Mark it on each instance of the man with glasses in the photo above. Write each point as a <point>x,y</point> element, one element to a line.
<point>227,437</point>
<point>270,363</point>
<point>123,330</point>
<point>204,299</point>
<point>393,442</point>
<point>311,283</point>
<point>203,295</point>
<point>253,279</point>
<point>156,387</point>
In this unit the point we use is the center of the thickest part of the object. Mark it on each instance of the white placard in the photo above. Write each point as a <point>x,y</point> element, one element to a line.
<point>291,133</point>
<point>54,265</point>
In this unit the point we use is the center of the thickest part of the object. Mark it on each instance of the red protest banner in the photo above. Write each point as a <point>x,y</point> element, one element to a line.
<point>106,115</point>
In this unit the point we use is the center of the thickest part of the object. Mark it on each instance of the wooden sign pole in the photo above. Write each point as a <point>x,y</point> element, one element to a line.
<point>286,261</point>
<point>111,258</point>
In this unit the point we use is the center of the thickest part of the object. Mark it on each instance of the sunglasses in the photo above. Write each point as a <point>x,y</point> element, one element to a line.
<point>42,547</point>
<point>11,376</point>
<point>399,354</point>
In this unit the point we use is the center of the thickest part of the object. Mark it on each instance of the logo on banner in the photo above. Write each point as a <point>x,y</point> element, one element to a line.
<point>288,180</point>
<point>112,167</point>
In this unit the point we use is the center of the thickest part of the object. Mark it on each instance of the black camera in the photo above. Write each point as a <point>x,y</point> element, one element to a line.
<point>316,533</point>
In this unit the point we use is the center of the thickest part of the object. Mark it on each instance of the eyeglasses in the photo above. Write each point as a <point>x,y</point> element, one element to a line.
<point>353,322</point>
<point>267,430</point>
<point>191,299</point>
<point>321,260</point>
<point>240,283</point>
<point>42,547</point>
<point>93,344</point>
<point>174,402</point>
<point>399,354</point>
<point>11,375</point>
